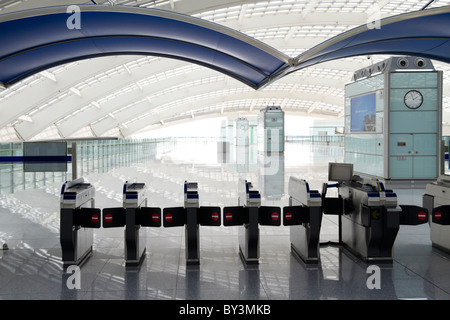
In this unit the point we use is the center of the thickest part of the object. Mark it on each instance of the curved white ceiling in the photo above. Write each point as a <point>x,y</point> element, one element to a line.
<point>125,95</point>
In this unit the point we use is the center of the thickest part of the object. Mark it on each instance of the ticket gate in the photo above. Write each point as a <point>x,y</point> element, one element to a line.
<point>133,215</point>
<point>437,200</point>
<point>248,215</point>
<point>77,218</point>
<point>191,216</point>
<point>304,216</point>
<point>370,217</point>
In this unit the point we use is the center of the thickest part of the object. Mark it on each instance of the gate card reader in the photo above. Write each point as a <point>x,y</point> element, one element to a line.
<point>191,216</point>
<point>133,215</point>
<point>437,200</point>
<point>371,217</point>
<point>191,199</point>
<point>304,216</point>
<point>249,231</point>
<point>77,218</point>
<point>249,214</point>
<point>370,222</point>
<point>191,229</point>
<point>134,194</point>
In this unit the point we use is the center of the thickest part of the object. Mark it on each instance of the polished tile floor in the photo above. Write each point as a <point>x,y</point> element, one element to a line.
<point>32,267</point>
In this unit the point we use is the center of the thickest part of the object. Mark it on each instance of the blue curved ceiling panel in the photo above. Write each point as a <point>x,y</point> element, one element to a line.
<point>39,39</point>
<point>422,33</point>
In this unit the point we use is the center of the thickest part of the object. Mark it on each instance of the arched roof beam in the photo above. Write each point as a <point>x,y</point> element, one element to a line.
<point>418,33</point>
<point>145,106</point>
<point>128,30</point>
<point>191,103</point>
<point>19,104</point>
<point>79,120</point>
<point>60,109</point>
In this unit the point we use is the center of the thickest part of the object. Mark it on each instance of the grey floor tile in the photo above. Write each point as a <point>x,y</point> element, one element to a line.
<point>32,268</point>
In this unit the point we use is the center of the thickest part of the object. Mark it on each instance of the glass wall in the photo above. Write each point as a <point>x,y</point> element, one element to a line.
<point>328,139</point>
<point>93,156</point>
<point>100,156</point>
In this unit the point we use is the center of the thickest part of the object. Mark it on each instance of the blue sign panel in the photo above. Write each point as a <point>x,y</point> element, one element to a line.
<point>363,117</point>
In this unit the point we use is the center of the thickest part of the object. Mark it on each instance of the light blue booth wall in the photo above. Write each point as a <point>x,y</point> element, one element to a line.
<point>365,149</point>
<point>411,135</point>
<point>416,80</point>
<point>366,153</point>
<point>413,132</point>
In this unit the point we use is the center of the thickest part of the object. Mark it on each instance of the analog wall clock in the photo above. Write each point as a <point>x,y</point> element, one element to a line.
<point>413,99</point>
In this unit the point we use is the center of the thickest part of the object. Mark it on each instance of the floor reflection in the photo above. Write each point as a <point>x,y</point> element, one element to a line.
<point>32,268</point>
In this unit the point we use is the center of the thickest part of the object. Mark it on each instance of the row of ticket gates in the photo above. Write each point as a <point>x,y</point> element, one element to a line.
<point>369,218</point>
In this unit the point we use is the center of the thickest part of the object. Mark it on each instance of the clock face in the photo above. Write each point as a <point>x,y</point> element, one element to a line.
<point>413,99</point>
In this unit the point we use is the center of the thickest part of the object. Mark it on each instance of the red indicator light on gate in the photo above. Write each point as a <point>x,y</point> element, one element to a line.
<point>275,216</point>
<point>155,217</point>
<point>288,216</point>
<point>214,216</point>
<point>169,217</point>
<point>438,215</point>
<point>422,215</point>
<point>94,218</point>
<point>108,217</point>
<point>228,216</point>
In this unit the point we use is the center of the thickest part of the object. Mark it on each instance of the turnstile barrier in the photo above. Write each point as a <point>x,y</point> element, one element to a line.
<point>249,216</point>
<point>132,216</point>
<point>77,219</point>
<point>441,215</point>
<point>304,216</point>
<point>191,216</point>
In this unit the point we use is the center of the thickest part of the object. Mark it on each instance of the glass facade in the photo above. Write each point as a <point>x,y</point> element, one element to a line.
<point>100,156</point>
<point>93,156</point>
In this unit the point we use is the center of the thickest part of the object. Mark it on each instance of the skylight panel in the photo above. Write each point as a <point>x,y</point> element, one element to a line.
<point>439,3</point>
<point>49,133</point>
<point>8,134</point>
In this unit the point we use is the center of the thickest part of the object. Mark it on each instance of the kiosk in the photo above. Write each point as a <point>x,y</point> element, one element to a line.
<point>393,121</point>
<point>371,216</point>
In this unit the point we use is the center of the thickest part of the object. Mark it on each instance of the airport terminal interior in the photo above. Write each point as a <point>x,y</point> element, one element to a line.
<point>224,150</point>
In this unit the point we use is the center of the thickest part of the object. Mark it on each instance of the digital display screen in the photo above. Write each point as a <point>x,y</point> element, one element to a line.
<point>340,171</point>
<point>362,113</point>
<point>45,156</point>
